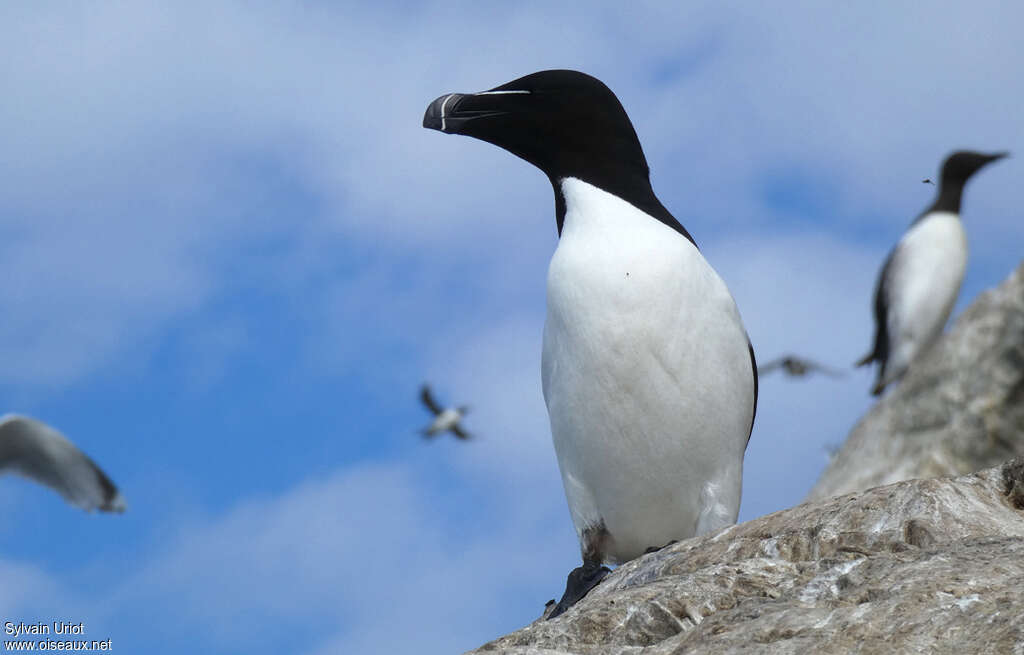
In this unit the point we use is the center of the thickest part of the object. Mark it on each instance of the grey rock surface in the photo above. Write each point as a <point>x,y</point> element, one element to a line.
<point>920,566</point>
<point>959,409</point>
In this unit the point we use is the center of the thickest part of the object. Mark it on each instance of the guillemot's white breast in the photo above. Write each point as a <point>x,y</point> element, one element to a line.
<point>923,283</point>
<point>647,377</point>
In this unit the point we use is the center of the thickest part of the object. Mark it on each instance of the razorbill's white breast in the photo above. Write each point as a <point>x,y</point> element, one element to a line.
<point>648,374</point>
<point>921,277</point>
<point>37,451</point>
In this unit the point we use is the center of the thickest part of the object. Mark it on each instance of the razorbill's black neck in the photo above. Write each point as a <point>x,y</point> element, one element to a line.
<point>648,374</point>
<point>921,277</point>
<point>38,452</point>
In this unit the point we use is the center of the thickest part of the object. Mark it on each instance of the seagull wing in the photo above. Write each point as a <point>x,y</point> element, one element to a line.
<point>39,452</point>
<point>769,366</point>
<point>460,433</point>
<point>827,370</point>
<point>428,400</point>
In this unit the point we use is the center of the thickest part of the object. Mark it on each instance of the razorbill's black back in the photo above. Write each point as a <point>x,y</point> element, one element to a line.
<point>921,277</point>
<point>648,374</point>
<point>39,452</point>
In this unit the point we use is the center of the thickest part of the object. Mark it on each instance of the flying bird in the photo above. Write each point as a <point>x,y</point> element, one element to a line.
<point>920,280</point>
<point>647,371</point>
<point>41,453</point>
<point>445,419</point>
<point>797,367</point>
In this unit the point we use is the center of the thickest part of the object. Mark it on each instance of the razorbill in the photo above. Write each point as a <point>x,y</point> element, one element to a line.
<point>648,375</point>
<point>446,418</point>
<point>797,367</point>
<point>921,277</point>
<point>39,452</point>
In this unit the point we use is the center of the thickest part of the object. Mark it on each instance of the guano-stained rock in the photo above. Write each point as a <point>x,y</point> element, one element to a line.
<point>920,566</point>
<point>926,564</point>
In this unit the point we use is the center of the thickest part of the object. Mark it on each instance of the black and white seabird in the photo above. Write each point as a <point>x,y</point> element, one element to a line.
<point>39,452</point>
<point>921,277</point>
<point>648,374</point>
<point>797,367</point>
<point>446,418</point>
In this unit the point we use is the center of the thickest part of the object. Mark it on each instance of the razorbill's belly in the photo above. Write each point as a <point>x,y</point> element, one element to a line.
<point>646,376</point>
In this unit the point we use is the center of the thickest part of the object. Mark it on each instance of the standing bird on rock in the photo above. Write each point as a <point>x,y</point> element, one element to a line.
<point>921,277</point>
<point>648,375</point>
<point>40,453</point>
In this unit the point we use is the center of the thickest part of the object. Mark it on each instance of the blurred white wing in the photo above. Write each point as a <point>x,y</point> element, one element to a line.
<point>37,451</point>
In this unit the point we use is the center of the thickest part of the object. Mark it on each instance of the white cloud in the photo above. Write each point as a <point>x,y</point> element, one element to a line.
<point>24,586</point>
<point>347,555</point>
<point>130,114</point>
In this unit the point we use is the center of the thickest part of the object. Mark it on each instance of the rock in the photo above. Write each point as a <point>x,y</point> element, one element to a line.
<point>959,408</point>
<point>923,566</point>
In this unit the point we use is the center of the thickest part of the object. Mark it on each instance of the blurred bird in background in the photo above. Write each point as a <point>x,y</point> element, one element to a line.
<point>445,419</point>
<point>41,453</point>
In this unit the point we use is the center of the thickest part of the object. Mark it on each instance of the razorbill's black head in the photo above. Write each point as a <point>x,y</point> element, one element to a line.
<point>920,279</point>
<point>40,453</point>
<point>648,375</point>
<point>567,124</point>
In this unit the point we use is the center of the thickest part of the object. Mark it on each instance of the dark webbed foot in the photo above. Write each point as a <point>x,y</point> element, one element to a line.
<point>581,580</point>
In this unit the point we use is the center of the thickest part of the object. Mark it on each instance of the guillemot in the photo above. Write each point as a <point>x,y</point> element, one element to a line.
<point>41,453</point>
<point>647,371</point>
<point>920,279</point>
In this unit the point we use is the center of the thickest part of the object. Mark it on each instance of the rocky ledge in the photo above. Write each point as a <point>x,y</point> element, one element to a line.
<point>920,566</point>
<point>932,565</point>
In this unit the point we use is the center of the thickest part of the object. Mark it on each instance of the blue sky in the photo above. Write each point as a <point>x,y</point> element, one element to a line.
<point>231,255</point>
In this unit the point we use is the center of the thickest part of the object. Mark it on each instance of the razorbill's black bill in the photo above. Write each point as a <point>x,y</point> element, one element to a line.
<point>921,277</point>
<point>647,371</point>
<point>37,451</point>
<point>445,418</point>
<point>797,367</point>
